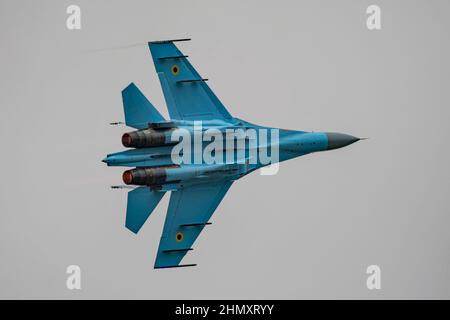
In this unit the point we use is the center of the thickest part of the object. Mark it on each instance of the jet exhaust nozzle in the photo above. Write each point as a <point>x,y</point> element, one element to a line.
<point>145,176</point>
<point>146,138</point>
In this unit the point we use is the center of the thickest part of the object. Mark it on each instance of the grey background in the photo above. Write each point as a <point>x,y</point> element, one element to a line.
<point>308,232</point>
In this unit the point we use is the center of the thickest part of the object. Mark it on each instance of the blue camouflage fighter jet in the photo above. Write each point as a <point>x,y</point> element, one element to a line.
<point>197,187</point>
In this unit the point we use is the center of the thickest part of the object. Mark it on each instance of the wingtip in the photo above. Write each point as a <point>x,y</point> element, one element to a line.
<point>175,266</point>
<point>133,229</point>
<point>168,41</point>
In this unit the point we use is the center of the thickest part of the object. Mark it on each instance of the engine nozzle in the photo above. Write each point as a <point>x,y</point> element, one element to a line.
<point>145,176</point>
<point>145,138</point>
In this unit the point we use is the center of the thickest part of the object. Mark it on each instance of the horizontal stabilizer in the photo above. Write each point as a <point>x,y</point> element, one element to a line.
<point>138,110</point>
<point>141,202</point>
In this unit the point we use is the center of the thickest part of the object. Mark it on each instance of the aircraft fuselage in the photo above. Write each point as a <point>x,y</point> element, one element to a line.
<point>241,151</point>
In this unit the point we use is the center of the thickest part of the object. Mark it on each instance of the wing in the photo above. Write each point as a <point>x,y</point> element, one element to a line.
<point>187,95</point>
<point>189,211</point>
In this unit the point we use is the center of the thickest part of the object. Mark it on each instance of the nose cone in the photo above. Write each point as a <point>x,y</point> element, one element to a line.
<point>339,140</point>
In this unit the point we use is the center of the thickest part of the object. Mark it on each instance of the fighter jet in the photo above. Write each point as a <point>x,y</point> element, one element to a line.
<point>197,183</point>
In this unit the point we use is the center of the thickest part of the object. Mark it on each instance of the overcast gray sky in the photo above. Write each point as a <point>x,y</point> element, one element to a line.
<point>308,232</point>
